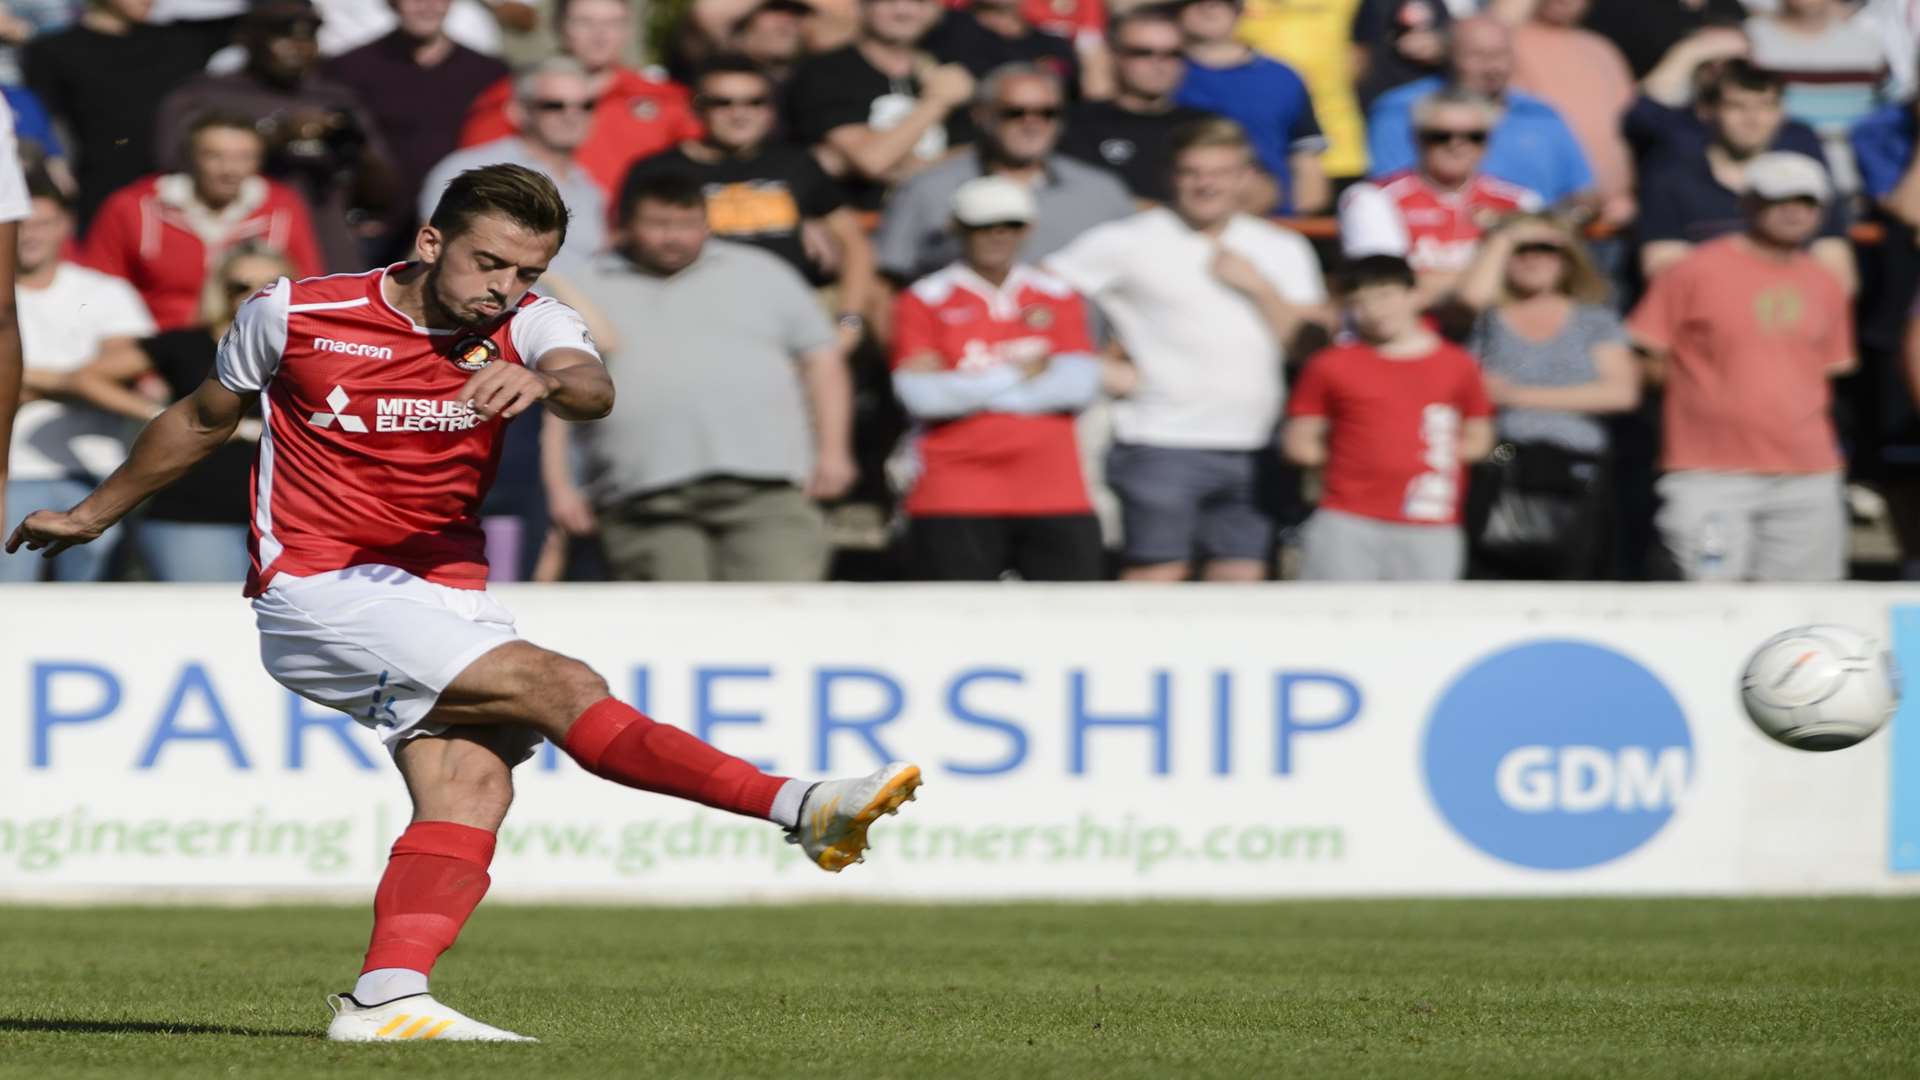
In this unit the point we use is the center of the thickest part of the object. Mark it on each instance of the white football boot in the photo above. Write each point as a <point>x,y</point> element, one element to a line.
<point>416,1017</point>
<point>835,814</point>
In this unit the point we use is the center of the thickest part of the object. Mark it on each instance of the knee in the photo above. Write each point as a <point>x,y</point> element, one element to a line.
<point>573,686</point>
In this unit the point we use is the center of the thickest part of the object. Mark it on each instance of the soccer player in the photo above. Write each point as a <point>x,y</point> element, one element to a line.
<point>384,396</point>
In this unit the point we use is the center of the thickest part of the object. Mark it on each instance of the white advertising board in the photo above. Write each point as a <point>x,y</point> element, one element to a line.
<point>1079,742</point>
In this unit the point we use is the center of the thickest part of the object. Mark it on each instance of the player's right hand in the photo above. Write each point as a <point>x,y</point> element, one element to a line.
<point>52,532</point>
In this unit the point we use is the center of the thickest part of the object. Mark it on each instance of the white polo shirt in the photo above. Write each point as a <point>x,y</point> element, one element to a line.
<point>1210,366</point>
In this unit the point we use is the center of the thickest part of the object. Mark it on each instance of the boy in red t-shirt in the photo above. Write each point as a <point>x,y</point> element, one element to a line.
<point>1392,417</point>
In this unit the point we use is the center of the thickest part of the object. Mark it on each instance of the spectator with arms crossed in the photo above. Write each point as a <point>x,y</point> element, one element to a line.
<point>1392,418</point>
<point>992,358</point>
<point>1205,299</point>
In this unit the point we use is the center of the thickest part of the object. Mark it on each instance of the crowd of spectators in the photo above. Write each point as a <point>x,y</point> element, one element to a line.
<point>1224,290</point>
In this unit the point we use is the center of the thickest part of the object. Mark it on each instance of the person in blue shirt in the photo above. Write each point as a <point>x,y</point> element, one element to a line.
<point>1531,145</point>
<point>1883,150</point>
<point>1266,97</point>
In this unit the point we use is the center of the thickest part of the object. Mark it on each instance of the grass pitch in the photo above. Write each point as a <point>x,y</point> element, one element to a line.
<point>1363,989</point>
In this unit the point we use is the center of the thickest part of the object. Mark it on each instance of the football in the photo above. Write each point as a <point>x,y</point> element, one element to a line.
<point>1820,687</point>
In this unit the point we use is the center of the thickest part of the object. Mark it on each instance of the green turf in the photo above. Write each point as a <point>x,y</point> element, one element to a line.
<point>1377,989</point>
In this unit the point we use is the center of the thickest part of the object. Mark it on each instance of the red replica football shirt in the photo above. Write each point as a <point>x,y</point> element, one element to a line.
<point>1434,229</point>
<point>367,455</point>
<point>638,116</point>
<point>1393,429</point>
<point>994,464</point>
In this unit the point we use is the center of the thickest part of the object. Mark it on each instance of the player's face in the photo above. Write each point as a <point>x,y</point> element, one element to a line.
<point>559,113</point>
<point>223,159</point>
<point>737,109</point>
<point>595,32</point>
<point>479,274</point>
<point>1382,313</point>
<point>1787,223</point>
<point>1150,62</point>
<point>1025,120</point>
<point>421,19</point>
<point>1209,20</point>
<point>43,234</point>
<point>1210,183</point>
<point>899,22</point>
<point>666,238</point>
<point>1747,120</point>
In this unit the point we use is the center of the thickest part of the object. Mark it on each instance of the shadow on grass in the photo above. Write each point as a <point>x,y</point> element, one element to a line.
<point>144,1027</point>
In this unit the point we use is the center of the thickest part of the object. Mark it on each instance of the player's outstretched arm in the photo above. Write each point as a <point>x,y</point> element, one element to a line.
<point>174,442</point>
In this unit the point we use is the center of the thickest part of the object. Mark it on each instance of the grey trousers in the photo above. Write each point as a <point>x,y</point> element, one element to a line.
<point>716,529</point>
<point>1729,526</point>
<point>1336,546</point>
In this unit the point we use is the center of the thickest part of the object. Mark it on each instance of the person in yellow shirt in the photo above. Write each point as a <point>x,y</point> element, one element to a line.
<point>1315,38</point>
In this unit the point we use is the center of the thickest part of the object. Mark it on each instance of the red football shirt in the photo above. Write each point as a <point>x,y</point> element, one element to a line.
<point>639,115</point>
<point>367,457</point>
<point>1393,449</point>
<point>994,464</point>
<point>1403,214</point>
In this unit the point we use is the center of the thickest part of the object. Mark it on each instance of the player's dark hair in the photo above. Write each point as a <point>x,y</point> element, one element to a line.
<point>515,192</point>
<point>669,186</point>
<point>730,64</point>
<point>41,186</point>
<point>1370,270</point>
<point>1738,74</point>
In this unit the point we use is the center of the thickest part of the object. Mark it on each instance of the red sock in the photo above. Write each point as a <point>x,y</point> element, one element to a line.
<point>615,741</point>
<point>434,879</point>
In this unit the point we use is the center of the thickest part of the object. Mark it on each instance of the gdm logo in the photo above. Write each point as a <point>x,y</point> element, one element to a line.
<point>337,401</point>
<point>1557,755</point>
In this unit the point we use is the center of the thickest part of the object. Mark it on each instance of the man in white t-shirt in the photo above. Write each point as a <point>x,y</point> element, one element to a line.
<point>61,448</point>
<point>1204,300</point>
<point>13,210</point>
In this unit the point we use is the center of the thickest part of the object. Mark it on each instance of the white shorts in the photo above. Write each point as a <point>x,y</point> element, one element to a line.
<point>381,645</point>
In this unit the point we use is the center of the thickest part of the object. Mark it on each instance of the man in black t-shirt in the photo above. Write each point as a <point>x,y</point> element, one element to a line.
<point>769,194</point>
<point>876,111</point>
<point>993,33</point>
<point>1133,133</point>
<point>1401,41</point>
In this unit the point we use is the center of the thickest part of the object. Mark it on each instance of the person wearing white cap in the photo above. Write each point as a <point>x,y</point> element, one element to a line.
<point>1745,333</point>
<point>992,359</point>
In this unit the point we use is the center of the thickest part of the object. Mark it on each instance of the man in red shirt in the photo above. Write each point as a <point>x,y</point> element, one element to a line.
<point>993,359</point>
<point>1745,333</point>
<point>383,396</point>
<point>166,233</point>
<point>640,113</point>
<point>1434,214</point>
<point>1392,418</point>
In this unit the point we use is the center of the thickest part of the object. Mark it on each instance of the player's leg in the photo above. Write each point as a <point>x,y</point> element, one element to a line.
<point>565,700</point>
<point>1800,531</point>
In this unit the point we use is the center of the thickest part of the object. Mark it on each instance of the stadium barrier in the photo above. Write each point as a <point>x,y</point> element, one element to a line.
<point>1079,742</point>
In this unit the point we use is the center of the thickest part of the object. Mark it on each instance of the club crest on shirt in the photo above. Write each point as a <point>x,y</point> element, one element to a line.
<point>644,109</point>
<point>1037,317</point>
<point>474,353</point>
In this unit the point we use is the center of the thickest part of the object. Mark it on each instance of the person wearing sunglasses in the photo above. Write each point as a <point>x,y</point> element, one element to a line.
<point>1132,134</point>
<point>1433,215</point>
<point>1018,110</point>
<point>163,233</point>
<point>196,528</point>
<point>553,113</point>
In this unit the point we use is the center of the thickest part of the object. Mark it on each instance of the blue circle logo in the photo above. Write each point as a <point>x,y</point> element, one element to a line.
<point>1557,755</point>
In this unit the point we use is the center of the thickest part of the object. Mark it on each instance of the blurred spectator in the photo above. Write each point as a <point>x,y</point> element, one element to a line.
<point>1267,98</point>
<point>1898,24</point>
<point>1396,42</point>
<point>1531,146</point>
<point>1391,418</point>
<point>1644,31</point>
<point>1555,360</point>
<point>1205,299</point>
<point>319,138</point>
<point>769,194</point>
<point>1745,334</point>
<point>196,528</point>
<point>1835,64</point>
<point>1584,77</point>
<point>164,234</point>
<point>61,448</point>
<point>1671,119</point>
<point>874,112</point>
<point>987,34</point>
<point>416,82</point>
<point>1434,215</point>
<point>1690,199</point>
<point>36,143</point>
<point>1133,133</point>
<point>552,110</point>
<point>103,78</point>
<point>1080,23</point>
<point>637,113</point>
<point>23,20</point>
<point>1017,110</point>
<point>773,36</point>
<point>992,358</point>
<point>1315,39</point>
<point>734,404</point>
<point>1883,148</point>
<point>353,24</point>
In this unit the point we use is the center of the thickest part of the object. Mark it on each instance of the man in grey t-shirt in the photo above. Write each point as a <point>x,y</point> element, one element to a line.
<point>734,403</point>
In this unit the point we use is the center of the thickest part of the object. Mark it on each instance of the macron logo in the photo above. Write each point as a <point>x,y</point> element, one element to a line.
<point>353,348</point>
<point>337,401</point>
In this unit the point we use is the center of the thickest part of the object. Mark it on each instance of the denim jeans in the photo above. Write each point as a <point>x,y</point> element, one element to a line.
<point>83,563</point>
<point>192,550</point>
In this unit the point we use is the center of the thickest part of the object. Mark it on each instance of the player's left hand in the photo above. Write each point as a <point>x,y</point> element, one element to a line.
<point>52,531</point>
<point>504,390</point>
